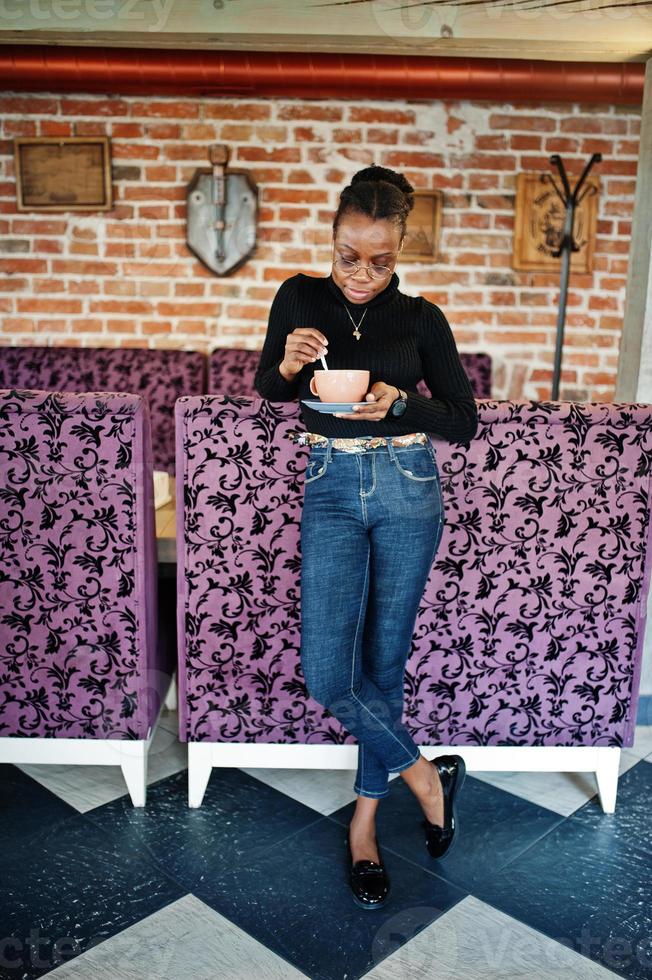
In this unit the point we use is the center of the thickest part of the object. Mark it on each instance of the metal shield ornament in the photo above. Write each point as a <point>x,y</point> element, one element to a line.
<point>222,214</point>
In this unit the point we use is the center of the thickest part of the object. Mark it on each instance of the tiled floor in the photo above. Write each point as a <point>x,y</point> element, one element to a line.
<point>542,883</point>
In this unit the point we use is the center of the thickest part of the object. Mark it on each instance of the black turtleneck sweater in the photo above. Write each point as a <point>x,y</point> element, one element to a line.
<point>404,339</point>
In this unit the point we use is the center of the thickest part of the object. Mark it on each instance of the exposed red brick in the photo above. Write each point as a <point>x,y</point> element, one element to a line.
<point>294,214</point>
<point>412,158</point>
<point>375,134</point>
<point>395,117</point>
<point>497,142</point>
<point>247,311</point>
<point>284,154</point>
<point>335,176</point>
<point>363,157</point>
<point>236,131</point>
<point>52,127</point>
<point>299,110</point>
<point>271,273</point>
<point>592,124</point>
<point>307,134</point>
<point>163,131</point>
<point>419,137</point>
<point>266,175</point>
<point>530,123</point>
<point>561,144</point>
<point>169,109</point>
<point>20,127</point>
<point>49,305</point>
<point>519,142</point>
<point>237,110</point>
<point>300,177</point>
<point>134,151</point>
<point>295,195</point>
<point>346,135</point>
<point>19,105</point>
<point>94,107</point>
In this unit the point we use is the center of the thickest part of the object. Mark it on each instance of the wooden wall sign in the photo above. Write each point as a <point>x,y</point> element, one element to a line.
<point>63,173</point>
<point>423,224</point>
<point>539,222</point>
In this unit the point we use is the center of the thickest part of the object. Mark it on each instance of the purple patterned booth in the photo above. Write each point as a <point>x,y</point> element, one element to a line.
<point>161,376</point>
<point>232,370</point>
<point>527,648</point>
<point>82,676</point>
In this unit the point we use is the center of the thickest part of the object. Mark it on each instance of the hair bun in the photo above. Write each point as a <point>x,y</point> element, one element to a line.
<point>373,174</point>
<point>378,193</point>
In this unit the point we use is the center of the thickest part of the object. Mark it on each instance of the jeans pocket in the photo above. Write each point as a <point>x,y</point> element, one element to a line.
<point>315,469</point>
<point>417,464</point>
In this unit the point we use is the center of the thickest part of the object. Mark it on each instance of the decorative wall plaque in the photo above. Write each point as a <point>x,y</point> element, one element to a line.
<point>63,173</point>
<point>222,214</point>
<point>423,224</point>
<point>539,223</point>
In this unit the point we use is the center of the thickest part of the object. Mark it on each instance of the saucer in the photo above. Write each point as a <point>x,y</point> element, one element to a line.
<point>329,408</point>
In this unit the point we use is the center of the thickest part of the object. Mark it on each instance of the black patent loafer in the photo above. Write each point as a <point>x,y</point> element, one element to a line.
<point>452,771</point>
<point>369,881</point>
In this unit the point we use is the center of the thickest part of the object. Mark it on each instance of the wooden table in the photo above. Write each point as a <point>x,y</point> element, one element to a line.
<point>166,530</point>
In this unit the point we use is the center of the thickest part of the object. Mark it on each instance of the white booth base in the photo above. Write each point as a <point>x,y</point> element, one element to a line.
<point>129,754</point>
<point>603,761</point>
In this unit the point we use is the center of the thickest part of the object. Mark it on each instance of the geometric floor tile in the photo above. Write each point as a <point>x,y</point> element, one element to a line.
<point>184,939</point>
<point>254,883</point>
<point>295,899</point>
<point>494,827</point>
<point>26,807</point>
<point>69,886</point>
<point>239,818</point>
<point>324,790</point>
<point>473,941</point>
<point>588,883</point>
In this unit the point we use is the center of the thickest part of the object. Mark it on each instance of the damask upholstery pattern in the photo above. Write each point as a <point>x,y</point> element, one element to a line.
<point>78,589</point>
<point>233,370</point>
<point>161,376</point>
<point>530,629</point>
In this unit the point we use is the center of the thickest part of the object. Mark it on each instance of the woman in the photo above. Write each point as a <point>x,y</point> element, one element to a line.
<point>372,517</point>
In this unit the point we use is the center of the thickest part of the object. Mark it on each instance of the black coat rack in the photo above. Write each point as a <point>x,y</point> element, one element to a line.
<point>570,199</point>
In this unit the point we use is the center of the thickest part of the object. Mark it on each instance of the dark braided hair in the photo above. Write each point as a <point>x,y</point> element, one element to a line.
<point>379,193</point>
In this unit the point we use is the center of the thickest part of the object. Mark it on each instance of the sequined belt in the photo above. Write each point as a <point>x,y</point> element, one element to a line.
<point>359,444</point>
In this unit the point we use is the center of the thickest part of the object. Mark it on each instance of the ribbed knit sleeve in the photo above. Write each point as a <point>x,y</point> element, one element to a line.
<point>451,412</point>
<point>268,380</point>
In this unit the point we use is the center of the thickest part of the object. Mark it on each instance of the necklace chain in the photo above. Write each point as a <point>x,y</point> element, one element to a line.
<point>356,332</point>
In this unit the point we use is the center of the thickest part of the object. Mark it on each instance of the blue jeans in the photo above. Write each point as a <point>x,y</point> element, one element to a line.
<point>370,529</point>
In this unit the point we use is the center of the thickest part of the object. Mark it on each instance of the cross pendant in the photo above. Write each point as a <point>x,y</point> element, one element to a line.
<point>357,334</point>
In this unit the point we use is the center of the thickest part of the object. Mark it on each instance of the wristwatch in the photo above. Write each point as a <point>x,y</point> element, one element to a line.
<point>398,407</point>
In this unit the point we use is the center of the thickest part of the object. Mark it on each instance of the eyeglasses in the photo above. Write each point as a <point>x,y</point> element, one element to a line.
<point>347,267</point>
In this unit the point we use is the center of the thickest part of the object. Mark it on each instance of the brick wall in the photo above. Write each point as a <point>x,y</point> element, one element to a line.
<point>126,277</point>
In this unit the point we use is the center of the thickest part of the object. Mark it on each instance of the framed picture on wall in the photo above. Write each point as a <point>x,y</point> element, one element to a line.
<point>423,224</point>
<point>63,173</point>
<point>539,224</point>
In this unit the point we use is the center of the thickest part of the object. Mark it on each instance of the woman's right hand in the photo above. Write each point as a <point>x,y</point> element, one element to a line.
<point>303,346</point>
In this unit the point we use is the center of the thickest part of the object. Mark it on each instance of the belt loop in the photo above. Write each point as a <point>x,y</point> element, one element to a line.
<point>329,450</point>
<point>390,449</point>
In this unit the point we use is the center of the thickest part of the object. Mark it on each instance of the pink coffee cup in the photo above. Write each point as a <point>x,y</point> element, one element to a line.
<point>340,386</point>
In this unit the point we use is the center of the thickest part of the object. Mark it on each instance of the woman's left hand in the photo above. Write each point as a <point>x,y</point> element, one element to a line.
<point>379,398</point>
